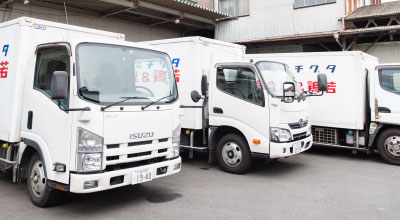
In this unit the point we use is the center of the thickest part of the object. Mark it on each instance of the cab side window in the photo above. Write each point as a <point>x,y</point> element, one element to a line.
<point>242,83</point>
<point>49,60</point>
<point>390,80</point>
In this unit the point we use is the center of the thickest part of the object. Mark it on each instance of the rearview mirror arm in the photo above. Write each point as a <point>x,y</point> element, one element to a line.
<point>316,94</point>
<point>194,106</point>
<point>86,109</point>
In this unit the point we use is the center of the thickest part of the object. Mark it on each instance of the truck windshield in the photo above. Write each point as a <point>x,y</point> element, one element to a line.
<point>110,73</point>
<point>275,74</point>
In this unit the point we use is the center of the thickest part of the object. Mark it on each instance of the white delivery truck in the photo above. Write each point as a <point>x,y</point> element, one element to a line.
<point>361,108</point>
<point>245,112</point>
<point>84,115</point>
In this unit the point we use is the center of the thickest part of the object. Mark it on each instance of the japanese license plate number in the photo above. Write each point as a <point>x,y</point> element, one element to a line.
<point>296,148</point>
<point>141,176</point>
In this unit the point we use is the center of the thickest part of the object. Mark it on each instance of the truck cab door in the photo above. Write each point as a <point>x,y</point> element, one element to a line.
<point>43,121</point>
<point>237,100</point>
<point>387,94</point>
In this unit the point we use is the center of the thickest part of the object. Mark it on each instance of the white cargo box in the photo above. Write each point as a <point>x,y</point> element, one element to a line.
<point>344,104</point>
<point>18,41</point>
<point>193,57</point>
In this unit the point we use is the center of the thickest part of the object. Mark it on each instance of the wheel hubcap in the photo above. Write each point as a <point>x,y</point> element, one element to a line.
<point>232,154</point>
<point>392,145</point>
<point>38,180</point>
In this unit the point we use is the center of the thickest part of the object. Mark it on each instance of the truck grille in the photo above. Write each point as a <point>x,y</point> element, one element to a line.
<point>131,144</point>
<point>324,135</point>
<point>139,143</point>
<point>139,154</point>
<point>134,152</point>
<point>299,136</point>
<point>298,125</point>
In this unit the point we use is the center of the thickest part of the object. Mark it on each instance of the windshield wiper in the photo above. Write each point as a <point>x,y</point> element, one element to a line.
<point>124,100</point>
<point>152,103</point>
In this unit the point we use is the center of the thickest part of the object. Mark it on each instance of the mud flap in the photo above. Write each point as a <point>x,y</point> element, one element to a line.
<point>212,156</point>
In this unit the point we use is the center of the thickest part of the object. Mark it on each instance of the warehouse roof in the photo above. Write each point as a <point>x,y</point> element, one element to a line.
<point>330,34</point>
<point>160,13</point>
<point>189,7</point>
<point>372,11</point>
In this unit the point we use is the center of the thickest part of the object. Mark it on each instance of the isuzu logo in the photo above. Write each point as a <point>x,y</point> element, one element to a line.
<point>302,123</point>
<point>141,135</point>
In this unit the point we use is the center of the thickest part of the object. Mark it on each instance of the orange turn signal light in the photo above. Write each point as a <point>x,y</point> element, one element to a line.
<point>256,141</point>
<point>60,187</point>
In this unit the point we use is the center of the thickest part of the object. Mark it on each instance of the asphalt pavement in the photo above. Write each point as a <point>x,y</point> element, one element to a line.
<point>323,183</point>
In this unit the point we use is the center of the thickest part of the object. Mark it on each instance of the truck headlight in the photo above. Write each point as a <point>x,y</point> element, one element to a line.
<point>280,135</point>
<point>176,141</point>
<point>89,152</point>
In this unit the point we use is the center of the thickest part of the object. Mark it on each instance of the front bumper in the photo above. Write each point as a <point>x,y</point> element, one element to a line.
<point>104,179</point>
<point>279,150</point>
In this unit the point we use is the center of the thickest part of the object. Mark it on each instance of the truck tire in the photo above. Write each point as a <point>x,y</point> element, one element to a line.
<point>389,146</point>
<point>39,191</point>
<point>233,154</point>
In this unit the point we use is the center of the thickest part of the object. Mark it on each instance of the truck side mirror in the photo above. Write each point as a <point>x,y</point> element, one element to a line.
<point>195,96</point>
<point>322,83</point>
<point>289,92</point>
<point>59,85</point>
<point>204,86</point>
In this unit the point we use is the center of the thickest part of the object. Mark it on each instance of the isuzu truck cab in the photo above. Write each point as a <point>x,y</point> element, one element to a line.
<point>248,109</point>
<point>361,108</point>
<point>84,115</point>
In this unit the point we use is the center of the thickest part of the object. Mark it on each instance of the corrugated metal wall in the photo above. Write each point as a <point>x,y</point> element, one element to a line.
<point>206,3</point>
<point>278,18</point>
<point>353,4</point>
<point>387,52</point>
<point>275,49</point>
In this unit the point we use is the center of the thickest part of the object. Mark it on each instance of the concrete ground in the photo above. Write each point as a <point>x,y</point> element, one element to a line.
<point>319,184</point>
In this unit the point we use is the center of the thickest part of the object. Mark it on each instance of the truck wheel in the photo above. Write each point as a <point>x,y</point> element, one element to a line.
<point>39,191</point>
<point>233,154</point>
<point>389,146</point>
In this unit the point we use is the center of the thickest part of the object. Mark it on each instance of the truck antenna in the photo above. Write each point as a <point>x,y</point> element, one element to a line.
<point>66,14</point>
<point>66,18</point>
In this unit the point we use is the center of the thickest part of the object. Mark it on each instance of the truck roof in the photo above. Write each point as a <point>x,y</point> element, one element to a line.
<point>196,39</point>
<point>388,64</point>
<point>308,54</point>
<point>43,25</point>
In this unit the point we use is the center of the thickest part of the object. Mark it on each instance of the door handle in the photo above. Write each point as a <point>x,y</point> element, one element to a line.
<point>218,110</point>
<point>30,120</point>
<point>384,110</point>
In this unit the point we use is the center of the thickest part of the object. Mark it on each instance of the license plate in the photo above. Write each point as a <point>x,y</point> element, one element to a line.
<point>296,148</point>
<point>141,176</point>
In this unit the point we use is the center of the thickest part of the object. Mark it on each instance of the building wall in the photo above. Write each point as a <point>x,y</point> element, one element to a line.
<point>351,5</point>
<point>387,52</point>
<point>206,3</point>
<point>133,32</point>
<point>270,18</point>
<point>275,49</point>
